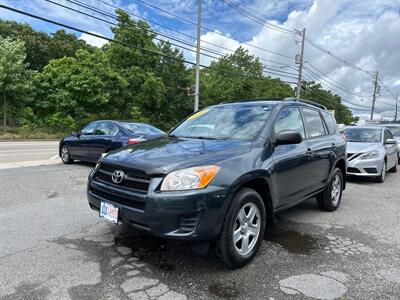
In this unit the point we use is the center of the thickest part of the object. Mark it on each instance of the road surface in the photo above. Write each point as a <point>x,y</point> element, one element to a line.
<point>53,246</point>
<point>21,153</point>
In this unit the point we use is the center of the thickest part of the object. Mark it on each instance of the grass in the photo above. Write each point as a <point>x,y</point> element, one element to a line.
<point>30,134</point>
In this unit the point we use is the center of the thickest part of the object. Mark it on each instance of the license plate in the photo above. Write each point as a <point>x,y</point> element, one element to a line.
<point>109,212</point>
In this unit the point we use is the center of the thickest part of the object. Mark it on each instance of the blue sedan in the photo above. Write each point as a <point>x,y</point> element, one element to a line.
<point>100,137</point>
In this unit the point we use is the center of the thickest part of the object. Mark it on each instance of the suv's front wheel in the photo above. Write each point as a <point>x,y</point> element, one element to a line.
<point>330,198</point>
<point>243,229</point>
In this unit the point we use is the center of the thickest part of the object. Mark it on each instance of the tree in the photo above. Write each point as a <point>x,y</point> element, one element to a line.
<point>145,91</point>
<point>15,78</point>
<point>238,76</point>
<point>74,90</point>
<point>176,77</point>
<point>66,44</point>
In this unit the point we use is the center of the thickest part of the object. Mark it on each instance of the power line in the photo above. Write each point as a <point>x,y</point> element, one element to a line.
<point>332,80</point>
<point>206,28</point>
<point>320,48</point>
<point>270,70</point>
<point>122,43</point>
<point>257,19</point>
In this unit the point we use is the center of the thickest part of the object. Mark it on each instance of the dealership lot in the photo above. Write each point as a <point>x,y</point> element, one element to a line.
<point>53,246</point>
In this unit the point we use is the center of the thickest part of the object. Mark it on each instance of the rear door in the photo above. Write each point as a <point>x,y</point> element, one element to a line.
<point>290,161</point>
<point>320,148</point>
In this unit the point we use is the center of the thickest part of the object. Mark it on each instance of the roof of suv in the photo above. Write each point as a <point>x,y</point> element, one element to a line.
<point>275,101</point>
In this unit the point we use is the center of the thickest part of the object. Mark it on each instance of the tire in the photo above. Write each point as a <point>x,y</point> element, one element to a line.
<point>381,178</point>
<point>396,166</point>
<point>245,220</point>
<point>330,198</point>
<point>65,155</point>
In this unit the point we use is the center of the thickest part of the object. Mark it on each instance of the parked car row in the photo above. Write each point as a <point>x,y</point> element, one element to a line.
<point>371,151</point>
<point>221,175</point>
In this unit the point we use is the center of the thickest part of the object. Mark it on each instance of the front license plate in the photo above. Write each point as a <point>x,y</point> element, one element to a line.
<point>109,212</point>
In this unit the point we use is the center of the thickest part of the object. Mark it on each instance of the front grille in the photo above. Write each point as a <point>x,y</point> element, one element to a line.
<point>134,180</point>
<point>117,199</point>
<point>352,170</point>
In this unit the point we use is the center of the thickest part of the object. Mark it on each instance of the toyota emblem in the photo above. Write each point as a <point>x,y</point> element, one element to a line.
<point>117,176</point>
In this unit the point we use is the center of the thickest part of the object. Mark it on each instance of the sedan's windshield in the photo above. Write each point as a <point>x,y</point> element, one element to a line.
<point>363,135</point>
<point>395,130</point>
<point>242,122</point>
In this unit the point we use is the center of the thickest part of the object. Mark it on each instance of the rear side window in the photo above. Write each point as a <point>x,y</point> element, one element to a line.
<point>313,123</point>
<point>103,129</point>
<point>329,121</point>
<point>289,118</point>
<point>88,130</point>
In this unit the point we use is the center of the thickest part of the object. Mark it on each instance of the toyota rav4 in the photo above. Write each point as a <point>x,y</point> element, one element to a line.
<point>222,174</point>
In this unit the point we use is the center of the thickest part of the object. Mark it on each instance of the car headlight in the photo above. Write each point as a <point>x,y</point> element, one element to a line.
<point>370,155</point>
<point>189,179</point>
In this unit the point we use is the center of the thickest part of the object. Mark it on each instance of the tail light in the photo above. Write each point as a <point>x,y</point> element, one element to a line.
<point>343,137</point>
<point>134,141</point>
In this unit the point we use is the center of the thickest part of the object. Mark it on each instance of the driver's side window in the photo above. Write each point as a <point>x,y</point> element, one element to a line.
<point>289,118</point>
<point>387,135</point>
<point>88,130</point>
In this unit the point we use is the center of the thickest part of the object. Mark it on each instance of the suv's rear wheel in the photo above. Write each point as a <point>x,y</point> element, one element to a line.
<point>331,197</point>
<point>65,155</point>
<point>243,229</point>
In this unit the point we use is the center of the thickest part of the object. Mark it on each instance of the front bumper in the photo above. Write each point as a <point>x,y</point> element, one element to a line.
<point>365,167</point>
<point>186,215</point>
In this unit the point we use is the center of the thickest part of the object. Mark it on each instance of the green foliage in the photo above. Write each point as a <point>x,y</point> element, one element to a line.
<point>75,83</point>
<point>15,78</point>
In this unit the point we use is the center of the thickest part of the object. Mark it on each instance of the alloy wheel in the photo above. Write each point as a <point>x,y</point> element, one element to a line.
<point>246,228</point>
<point>336,190</point>
<point>64,154</point>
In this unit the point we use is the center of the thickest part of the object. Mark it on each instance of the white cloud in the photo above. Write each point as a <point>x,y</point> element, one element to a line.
<point>92,40</point>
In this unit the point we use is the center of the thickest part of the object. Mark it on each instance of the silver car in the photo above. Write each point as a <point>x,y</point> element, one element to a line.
<point>371,151</point>
<point>395,130</point>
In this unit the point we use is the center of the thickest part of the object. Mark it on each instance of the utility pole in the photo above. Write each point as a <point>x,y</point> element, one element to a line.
<point>197,86</point>
<point>397,104</point>
<point>303,37</point>
<point>374,95</point>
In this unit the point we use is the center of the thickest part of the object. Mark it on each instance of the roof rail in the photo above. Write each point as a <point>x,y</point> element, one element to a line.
<point>306,101</point>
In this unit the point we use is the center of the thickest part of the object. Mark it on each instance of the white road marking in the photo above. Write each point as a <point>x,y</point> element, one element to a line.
<point>54,157</point>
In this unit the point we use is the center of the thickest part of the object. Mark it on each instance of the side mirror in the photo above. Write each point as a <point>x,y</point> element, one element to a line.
<point>390,142</point>
<point>287,137</point>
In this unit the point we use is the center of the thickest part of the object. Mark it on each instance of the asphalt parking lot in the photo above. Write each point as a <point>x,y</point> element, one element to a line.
<point>52,246</point>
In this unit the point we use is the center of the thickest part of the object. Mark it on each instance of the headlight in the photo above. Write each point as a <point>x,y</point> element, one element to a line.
<point>370,155</point>
<point>189,179</point>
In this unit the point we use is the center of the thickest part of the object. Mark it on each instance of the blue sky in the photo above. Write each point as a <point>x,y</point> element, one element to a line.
<point>364,33</point>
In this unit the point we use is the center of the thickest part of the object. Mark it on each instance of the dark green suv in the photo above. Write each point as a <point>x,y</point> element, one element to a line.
<point>222,174</point>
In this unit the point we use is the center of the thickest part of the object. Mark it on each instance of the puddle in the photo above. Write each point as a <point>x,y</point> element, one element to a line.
<point>293,241</point>
<point>224,290</point>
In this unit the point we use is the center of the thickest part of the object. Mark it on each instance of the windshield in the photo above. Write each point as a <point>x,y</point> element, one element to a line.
<point>363,135</point>
<point>138,128</point>
<point>242,122</point>
<point>395,130</point>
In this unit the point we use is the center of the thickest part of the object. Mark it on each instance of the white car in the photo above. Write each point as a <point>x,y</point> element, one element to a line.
<point>395,130</point>
<point>371,151</point>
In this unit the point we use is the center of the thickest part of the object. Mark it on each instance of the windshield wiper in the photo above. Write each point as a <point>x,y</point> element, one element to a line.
<point>205,138</point>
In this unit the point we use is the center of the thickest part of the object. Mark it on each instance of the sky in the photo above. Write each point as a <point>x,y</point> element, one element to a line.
<point>364,36</point>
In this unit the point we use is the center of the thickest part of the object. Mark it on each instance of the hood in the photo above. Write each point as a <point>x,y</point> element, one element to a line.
<point>354,147</point>
<point>163,155</point>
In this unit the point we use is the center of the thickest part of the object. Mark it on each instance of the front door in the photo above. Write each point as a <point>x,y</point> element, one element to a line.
<point>289,172</point>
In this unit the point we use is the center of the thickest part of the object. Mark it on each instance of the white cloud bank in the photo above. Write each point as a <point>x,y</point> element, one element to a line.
<point>364,33</point>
